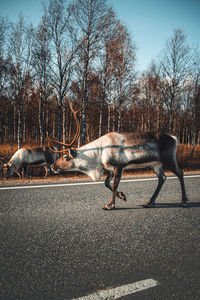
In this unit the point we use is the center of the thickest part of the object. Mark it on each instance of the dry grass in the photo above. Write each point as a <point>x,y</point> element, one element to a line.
<point>188,159</point>
<point>185,160</point>
<point>5,149</point>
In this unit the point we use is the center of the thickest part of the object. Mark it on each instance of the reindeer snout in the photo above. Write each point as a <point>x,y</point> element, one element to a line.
<point>54,169</point>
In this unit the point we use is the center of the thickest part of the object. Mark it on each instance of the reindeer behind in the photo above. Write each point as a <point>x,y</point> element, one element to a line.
<point>25,157</point>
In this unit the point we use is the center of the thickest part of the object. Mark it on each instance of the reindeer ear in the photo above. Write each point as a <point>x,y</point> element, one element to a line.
<point>72,153</point>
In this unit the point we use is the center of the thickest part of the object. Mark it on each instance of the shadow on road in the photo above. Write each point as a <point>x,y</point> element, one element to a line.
<point>161,205</point>
<point>172,205</point>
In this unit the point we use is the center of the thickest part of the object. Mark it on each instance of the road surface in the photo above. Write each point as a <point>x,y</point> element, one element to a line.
<point>58,243</point>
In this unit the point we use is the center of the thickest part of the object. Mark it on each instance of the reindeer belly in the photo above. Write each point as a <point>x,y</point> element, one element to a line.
<point>141,166</point>
<point>132,157</point>
<point>34,159</point>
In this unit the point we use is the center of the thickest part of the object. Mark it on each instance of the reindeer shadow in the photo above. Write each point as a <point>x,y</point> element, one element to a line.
<point>161,205</point>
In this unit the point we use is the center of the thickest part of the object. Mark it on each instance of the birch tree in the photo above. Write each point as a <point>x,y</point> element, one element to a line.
<point>62,48</point>
<point>4,71</point>
<point>89,19</point>
<point>41,62</point>
<point>117,71</point>
<point>20,45</point>
<point>175,67</point>
<point>196,97</point>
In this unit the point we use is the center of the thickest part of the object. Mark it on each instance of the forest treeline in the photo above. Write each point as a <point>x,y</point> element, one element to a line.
<point>81,52</point>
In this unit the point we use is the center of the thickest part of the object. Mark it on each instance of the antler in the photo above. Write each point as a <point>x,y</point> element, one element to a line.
<point>77,124</point>
<point>52,139</point>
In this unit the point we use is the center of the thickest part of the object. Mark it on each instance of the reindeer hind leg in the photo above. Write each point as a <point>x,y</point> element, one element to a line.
<point>161,179</point>
<point>173,167</point>
<point>179,173</point>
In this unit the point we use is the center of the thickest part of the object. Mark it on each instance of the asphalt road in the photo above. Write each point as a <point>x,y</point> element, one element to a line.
<point>58,243</point>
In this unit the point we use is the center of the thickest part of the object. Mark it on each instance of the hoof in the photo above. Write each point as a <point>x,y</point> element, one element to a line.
<point>122,196</point>
<point>148,204</point>
<point>111,207</point>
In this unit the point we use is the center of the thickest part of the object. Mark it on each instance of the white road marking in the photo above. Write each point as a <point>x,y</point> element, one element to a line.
<point>88,183</point>
<point>120,291</point>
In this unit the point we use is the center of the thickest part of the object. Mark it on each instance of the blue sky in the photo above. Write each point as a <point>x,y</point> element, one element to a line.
<point>150,22</point>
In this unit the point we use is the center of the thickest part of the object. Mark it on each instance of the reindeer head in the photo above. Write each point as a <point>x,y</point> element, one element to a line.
<point>8,169</point>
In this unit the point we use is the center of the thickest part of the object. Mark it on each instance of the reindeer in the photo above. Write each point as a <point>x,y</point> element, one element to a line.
<point>115,152</point>
<point>26,157</point>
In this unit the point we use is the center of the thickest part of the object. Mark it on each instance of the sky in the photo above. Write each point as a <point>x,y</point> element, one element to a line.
<point>150,22</point>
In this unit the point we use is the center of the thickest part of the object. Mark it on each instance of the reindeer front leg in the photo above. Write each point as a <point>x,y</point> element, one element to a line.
<point>117,177</point>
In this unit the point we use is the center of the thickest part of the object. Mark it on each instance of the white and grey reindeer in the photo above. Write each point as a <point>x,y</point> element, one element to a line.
<point>115,152</point>
<point>23,158</point>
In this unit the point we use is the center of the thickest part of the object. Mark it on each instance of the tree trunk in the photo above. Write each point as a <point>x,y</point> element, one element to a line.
<point>59,134</point>
<point>40,122</point>
<point>14,123</point>
<point>54,123</point>
<point>83,127</point>
<point>24,129</point>
<point>114,107</point>
<point>84,100</point>
<point>19,128</point>
<point>109,118</point>
<point>119,120</point>
<point>64,123</point>
<point>171,123</point>
<point>101,121</point>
